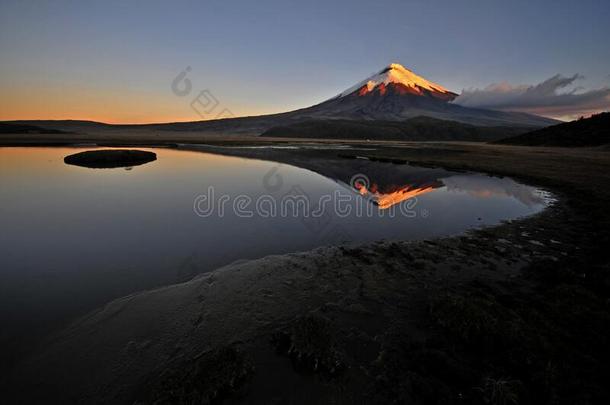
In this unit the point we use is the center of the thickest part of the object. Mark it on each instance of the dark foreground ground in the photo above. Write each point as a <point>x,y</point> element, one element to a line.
<point>515,314</point>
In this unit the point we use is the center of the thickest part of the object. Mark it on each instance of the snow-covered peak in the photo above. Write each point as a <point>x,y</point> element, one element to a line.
<point>397,74</point>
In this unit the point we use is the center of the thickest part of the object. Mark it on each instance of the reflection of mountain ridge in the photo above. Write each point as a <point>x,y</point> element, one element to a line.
<point>485,186</point>
<point>388,182</point>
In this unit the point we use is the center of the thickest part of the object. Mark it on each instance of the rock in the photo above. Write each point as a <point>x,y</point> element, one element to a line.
<point>110,158</point>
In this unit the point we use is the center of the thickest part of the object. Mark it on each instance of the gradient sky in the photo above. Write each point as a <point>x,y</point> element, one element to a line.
<point>114,61</point>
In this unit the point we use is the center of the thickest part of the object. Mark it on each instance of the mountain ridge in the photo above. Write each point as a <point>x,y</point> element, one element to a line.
<point>393,94</point>
<point>592,131</point>
<point>420,128</point>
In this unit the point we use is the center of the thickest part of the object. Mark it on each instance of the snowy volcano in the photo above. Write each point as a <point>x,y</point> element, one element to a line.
<point>396,79</point>
<point>397,93</point>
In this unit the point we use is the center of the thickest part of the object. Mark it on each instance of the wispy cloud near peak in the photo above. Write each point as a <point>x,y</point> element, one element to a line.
<point>553,98</point>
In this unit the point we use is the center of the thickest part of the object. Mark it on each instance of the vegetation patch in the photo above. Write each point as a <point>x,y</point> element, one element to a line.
<point>311,344</point>
<point>207,379</point>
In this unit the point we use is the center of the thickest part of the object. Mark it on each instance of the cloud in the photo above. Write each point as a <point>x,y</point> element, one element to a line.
<point>545,98</point>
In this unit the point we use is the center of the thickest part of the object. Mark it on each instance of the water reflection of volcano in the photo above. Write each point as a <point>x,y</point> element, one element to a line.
<point>385,184</point>
<point>387,196</point>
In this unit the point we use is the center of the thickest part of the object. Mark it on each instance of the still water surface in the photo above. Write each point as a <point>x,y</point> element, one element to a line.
<point>74,238</point>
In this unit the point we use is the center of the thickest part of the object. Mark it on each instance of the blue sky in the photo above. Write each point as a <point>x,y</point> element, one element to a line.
<point>115,60</point>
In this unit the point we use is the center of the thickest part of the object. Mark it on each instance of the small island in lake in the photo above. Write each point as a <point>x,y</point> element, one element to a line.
<point>110,158</point>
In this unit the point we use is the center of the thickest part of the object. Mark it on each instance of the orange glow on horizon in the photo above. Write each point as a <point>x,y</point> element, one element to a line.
<point>107,105</point>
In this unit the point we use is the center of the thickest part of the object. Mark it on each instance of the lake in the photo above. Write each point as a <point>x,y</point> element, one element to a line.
<point>74,238</point>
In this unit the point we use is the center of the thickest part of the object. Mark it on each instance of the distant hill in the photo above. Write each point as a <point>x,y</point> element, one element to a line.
<point>9,128</point>
<point>414,129</point>
<point>593,131</point>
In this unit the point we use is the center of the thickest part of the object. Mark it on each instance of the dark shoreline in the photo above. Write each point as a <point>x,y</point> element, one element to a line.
<point>521,307</point>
